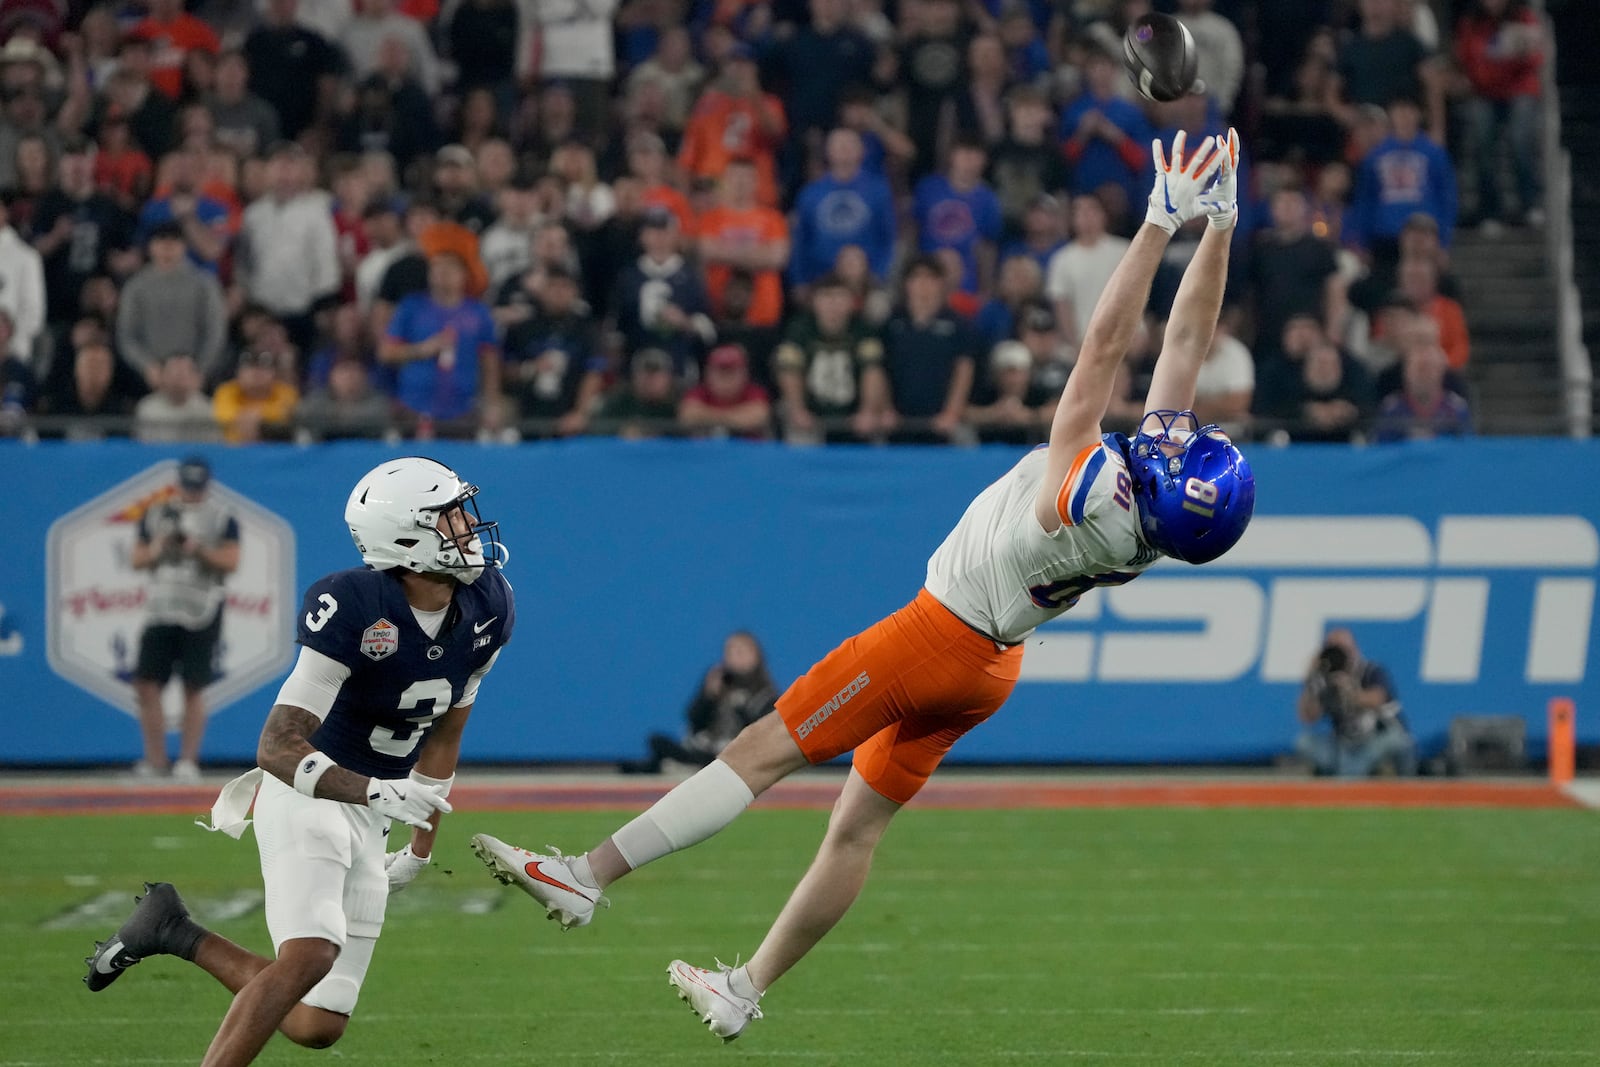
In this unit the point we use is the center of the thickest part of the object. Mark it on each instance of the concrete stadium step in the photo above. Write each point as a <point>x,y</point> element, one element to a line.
<point>1482,258</point>
<point>1509,300</point>
<point>1526,375</point>
<point>1531,304</point>
<point>1498,327</point>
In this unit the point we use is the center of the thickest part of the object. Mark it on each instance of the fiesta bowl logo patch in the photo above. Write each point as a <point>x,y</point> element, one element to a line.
<point>96,603</point>
<point>380,640</point>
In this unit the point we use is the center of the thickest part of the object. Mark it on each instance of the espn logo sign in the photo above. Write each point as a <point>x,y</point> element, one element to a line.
<point>1263,608</point>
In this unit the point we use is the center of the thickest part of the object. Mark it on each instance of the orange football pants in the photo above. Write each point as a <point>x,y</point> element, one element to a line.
<point>900,693</point>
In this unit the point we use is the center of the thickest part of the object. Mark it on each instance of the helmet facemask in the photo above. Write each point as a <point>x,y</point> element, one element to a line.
<point>1195,492</point>
<point>463,553</point>
<point>416,514</point>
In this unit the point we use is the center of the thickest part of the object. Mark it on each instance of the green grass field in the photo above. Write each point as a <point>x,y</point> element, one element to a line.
<point>1129,937</point>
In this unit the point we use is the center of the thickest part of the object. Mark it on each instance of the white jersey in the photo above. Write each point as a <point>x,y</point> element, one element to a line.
<point>1003,575</point>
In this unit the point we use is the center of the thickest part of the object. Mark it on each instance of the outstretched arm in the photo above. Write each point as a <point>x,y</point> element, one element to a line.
<point>1193,321</point>
<point>1116,316</point>
<point>1076,425</point>
<point>1199,300</point>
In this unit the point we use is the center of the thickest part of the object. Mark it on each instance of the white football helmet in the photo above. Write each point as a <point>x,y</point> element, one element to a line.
<point>393,515</point>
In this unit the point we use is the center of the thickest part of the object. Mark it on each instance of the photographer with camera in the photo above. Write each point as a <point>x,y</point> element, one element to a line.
<point>1356,698</point>
<point>736,692</point>
<point>189,544</point>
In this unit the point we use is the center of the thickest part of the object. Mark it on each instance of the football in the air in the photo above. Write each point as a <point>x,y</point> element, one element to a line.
<point>1161,57</point>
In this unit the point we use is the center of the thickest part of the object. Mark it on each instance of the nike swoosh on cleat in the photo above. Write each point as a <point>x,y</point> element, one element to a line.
<point>103,960</point>
<point>708,987</point>
<point>533,871</point>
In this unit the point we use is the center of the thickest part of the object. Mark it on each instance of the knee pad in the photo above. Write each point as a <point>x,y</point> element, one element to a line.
<point>336,993</point>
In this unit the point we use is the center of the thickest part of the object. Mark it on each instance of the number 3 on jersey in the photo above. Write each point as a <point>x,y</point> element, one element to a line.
<point>326,606</point>
<point>436,693</point>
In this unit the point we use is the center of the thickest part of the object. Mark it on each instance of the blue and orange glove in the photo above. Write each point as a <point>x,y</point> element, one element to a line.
<point>1175,199</point>
<point>1221,201</point>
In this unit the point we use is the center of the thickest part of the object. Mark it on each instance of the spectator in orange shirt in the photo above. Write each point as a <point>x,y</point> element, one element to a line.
<point>1419,284</point>
<point>255,404</point>
<point>739,234</point>
<point>121,170</point>
<point>647,161</point>
<point>217,167</point>
<point>173,34</point>
<point>734,119</point>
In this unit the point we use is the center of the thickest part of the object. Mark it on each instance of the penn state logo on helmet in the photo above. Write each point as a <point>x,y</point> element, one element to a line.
<point>394,515</point>
<point>1195,490</point>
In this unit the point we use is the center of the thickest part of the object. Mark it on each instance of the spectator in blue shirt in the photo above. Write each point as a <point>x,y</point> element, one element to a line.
<point>887,149</point>
<point>958,210</point>
<point>1021,281</point>
<point>443,343</point>
<point>1107,137</point>
<point>204,220</point>
<point>1405,174</point>
<point>1425,406</point>
<point>1026,53</point>
<point>846,206</point>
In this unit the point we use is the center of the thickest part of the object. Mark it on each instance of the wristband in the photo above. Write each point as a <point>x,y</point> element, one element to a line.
<point>310,772</point>
<point>441,784</point>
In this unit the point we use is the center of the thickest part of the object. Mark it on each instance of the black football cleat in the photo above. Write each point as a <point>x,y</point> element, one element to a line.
<point>157,923</point>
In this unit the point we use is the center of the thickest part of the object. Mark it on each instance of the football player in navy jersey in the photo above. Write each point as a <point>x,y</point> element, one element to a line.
<point>367,728</point>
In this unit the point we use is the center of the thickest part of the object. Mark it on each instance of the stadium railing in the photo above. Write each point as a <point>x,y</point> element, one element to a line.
<point>1258,430</point>
<point>1576,371</point>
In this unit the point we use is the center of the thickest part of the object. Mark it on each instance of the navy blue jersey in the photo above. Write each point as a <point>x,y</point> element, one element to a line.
<point>400,678</point>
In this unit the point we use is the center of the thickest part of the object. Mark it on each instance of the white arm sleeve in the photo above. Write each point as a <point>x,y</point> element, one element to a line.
<point>315,682</point>
<point>469,693</point>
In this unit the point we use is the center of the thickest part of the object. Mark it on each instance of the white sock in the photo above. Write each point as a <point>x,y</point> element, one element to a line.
<point>688,815</point>
<point>739,981</point>
<point>579,867</point>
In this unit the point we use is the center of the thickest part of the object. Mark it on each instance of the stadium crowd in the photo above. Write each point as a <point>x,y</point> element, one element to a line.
<point>834,219</point>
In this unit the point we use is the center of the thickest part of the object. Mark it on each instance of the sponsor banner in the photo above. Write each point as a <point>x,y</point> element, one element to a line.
<point>95,602</point>
<point>1468,569</point>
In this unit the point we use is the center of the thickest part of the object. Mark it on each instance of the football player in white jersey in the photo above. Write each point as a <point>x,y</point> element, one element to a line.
<point>1091,509</point>
<point>367,728</point>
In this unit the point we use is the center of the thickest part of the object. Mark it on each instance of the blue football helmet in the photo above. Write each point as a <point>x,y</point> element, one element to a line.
<point>1195,490</point>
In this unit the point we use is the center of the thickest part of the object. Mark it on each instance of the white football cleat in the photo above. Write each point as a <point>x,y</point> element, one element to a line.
<point>710,995</point>
<point>546,878</point>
